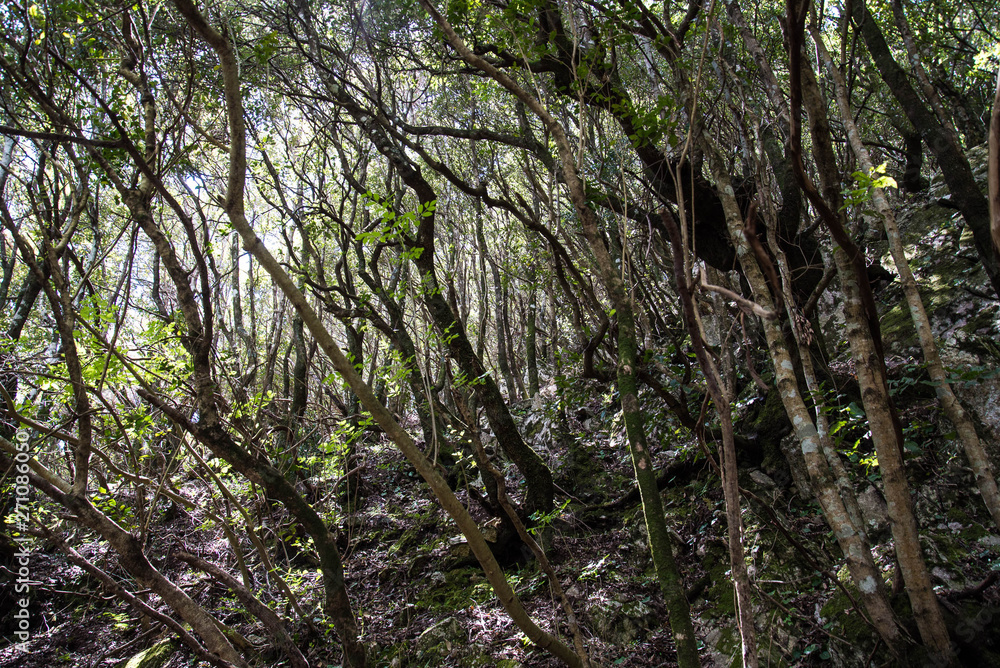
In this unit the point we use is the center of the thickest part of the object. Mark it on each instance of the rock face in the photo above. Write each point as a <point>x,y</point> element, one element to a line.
<point>982,397</point>
<point>964,315</point>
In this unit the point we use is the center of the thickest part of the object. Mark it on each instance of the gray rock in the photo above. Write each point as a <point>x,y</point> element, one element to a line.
<point>990,541</point>
<point>797,465</point>
<point>620,622</point>
<point>873,510</point>
<point>447,633</point>
<point>762,479</point>
<point>943,575</point>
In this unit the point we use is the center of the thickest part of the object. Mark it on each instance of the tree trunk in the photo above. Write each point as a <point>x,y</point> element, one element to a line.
<point>666,567</point>
<point>451,504</point>
<point>994,169</point>
<point>730,482</point>
<point>238,324</point>
<point>132,559</point>
<point>530,336</point>
<point>537,476</point>
<point>273,625</point>
<point>499,306</point>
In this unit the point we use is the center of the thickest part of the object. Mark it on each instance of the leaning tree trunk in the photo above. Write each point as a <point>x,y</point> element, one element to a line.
<point>132,559</point>
<point>856,550</point>
<point>74,496</point>
<point>234,207</point>
<point>538,478</point>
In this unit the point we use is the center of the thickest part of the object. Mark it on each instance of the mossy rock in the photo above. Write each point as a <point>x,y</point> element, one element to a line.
<point>840,610</point>
<point>580,468</point>
<point>973,532</point>
<point>455,590</point>
<point>763,431</point>
<point>944,553</point>
<point>724,646</point>
<point>441,639</point>
<point>409,537</point>
<point>938,245</point>
<point>152,657</point>
<point>392,656</point>
<point>486,661</point>
<point>898,332</point>
<point>622,621</point>
<point>720,593</point>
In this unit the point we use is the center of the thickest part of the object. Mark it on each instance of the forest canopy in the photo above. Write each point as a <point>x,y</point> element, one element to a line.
<point>325,319</point>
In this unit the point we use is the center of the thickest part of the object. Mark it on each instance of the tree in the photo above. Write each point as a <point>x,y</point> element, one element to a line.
<point>445,210</point>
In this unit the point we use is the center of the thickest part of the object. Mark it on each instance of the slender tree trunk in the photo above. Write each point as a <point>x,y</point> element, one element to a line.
<point>235,210</point>
<point>8,261</point>
<point>499,306</point>
<point>484,293</point>
<point>509,340</point>
<point>667,572</point>
<point>666,567</point>
<point>913,147</point>
<point>730,482</point>
<point>273,625</point>
<point>239,325</point>
<point>132,559</point>
<point>530,337</point>
<point>917,68</point>
<point>300,391</point>
<point>994,169</point>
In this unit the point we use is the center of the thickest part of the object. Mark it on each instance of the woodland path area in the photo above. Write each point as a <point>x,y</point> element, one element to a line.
<point>513,333</point>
